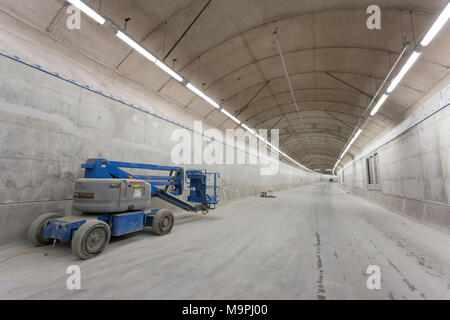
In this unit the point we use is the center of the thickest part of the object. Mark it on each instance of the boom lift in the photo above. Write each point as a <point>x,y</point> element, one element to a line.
<point>115,202</point>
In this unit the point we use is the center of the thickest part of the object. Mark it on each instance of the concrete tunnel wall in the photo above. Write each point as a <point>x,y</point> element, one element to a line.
<point>49,127</point>
<point>414,165</point>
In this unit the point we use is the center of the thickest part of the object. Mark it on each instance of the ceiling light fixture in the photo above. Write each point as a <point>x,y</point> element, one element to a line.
<point>378,105</point>
<point>356,136</point>
<point>245,126</point>
<point>87,10</point>
<point>347,148</point>
<point>437,26</point>
<point>229,115</point>
<point>351,143</point>
<point>169,71</point>
<point>412,59</point>
<point>202,95</point>
<point>135,46</point>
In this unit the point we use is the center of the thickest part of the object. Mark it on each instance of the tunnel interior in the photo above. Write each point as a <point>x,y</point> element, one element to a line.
<point>341,106</point>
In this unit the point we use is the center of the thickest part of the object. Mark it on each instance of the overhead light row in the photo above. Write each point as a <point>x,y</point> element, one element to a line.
<point>394,83</point>
<point>409,63</point>
<point>348,147</point>
<point>351,143</point>
<point>122,36</point>
<point>253,132</point>
<point>429,36</point>
<point>198,92</point>
<point>229,115</point>
<point>133,44</point>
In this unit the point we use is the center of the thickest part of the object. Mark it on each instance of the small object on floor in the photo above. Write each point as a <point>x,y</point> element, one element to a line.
<point>267,194</point>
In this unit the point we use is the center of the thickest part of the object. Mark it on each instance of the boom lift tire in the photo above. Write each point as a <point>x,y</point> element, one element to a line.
<point>162,222</point>
<point>91,239</point>
<point>36,228</point>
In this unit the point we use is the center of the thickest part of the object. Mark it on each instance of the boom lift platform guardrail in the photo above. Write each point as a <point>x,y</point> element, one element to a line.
<point>115,202</point>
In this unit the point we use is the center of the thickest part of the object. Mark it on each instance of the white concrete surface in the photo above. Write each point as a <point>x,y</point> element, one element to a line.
<point>414,165</point>
<point>319,38</point>
<point>312,242</point>
<point>49,127</point>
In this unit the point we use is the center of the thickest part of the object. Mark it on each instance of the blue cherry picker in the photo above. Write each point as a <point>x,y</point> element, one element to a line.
<point>115,202</point>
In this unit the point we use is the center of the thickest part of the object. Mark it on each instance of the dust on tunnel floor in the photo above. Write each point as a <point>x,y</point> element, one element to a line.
<point>312,242</point>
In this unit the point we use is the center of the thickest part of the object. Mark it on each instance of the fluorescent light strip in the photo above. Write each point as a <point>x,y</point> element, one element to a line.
<point>412,59</point>
<point>148,55</point>
<point>224,111</point>
<point>349,145</point>
<point>297,163</point>
<point>202,95</point>
<point>248,129</point>
<point>94,15</point>
<point>229,115</point>
<point>260,137</point>
<point>345,151</point>
<point>437,26</point>
<point>88,11</point>
<point>268,143</point>
<point>355,137</point>
<point>378,105</point>
<point>135,46</point>
<point>169,71</point>
<point>271,145</point>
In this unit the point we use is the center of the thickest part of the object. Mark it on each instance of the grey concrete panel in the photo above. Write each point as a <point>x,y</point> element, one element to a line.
<point>49,127</point>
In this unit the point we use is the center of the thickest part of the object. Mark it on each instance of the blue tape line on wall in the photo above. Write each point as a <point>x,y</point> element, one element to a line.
<point>56,74</point>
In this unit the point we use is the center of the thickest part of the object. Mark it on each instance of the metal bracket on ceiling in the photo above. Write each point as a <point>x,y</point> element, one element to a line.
<point>126,24</point>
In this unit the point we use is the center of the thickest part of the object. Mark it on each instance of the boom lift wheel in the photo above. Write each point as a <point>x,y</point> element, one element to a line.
<point>36,229</point>
<point>162,222</point>
<point>91,239</point>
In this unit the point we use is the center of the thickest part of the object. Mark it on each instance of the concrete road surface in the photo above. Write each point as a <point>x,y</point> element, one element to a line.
<point>313,242</point>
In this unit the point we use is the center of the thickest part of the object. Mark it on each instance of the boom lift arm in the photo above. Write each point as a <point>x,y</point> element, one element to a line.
<point>173,183</point>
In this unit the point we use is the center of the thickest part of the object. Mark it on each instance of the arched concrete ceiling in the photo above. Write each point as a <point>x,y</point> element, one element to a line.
<point>335,62</point>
